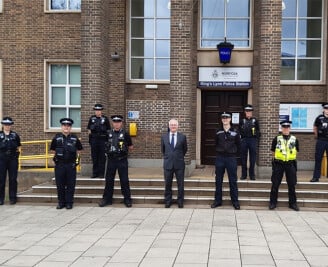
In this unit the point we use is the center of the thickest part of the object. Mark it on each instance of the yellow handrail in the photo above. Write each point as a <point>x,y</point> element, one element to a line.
<point>43,147</point>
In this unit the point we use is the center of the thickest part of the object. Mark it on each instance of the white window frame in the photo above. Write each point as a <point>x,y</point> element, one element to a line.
<point>1,4</point>
<point>47,93</point>
<point>47,8</point>
<point>250,37</point>
<point>129,78</point>
<point>323,48</point>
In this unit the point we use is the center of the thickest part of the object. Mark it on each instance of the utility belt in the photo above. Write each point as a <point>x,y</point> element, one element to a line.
<point>117,156</point>
<point>98,135</point>
<point>8,153</point>
<point>289,162</point>
<point>323,138</point>
<point>64,161</point>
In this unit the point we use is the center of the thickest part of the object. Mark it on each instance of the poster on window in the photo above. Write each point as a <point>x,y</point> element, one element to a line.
<point>302,115</point>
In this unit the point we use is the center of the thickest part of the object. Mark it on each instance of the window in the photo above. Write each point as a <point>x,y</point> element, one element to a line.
<point>149,39</point>
<point>69,5</point>
<point>64,94</point>
<point>302,40</point>
<point>225,18</point>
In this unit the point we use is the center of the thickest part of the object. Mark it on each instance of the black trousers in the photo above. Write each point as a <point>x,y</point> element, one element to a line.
<point>8,164</point>
<point>120,165</point>
<point>98,155</point>
<point>179,175</point>
<point>278,171</point>
<point>65,175</point>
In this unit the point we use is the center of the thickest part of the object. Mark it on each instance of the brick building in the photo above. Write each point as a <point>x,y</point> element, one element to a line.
<point>156,59</point>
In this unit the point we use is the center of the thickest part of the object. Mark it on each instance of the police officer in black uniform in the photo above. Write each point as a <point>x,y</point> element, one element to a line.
<point>118,145</point>
<point>250,132</point>
<point>320,129</point>
<point>9,153</point>
<point>66,147</point>
<point>227,143</point>
<point>98,127</point>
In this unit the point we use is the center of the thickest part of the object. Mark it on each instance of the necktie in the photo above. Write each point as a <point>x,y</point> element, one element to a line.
<point>172,141</point>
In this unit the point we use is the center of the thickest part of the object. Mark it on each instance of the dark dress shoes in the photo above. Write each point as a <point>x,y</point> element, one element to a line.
<point>1,202</point>
<point>314,180</point>
<point>13,202</point>
<point>243,178</point>
<point>128,204</point>
<point>215,204</point>
<point>294,207</point>
<point>104,203</point>
<point>167,205</point>
<point>180,205</point>
<point>272,206</point>
<point>236,206</point>
<point>253,178</point>
<point>60,206</point>
<point>69,206</point>
<point>94,176</point>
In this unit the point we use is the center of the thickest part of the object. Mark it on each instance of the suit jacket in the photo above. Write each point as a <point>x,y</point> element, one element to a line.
<point>174,158</point>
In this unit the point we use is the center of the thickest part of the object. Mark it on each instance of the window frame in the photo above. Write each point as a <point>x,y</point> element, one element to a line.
<point>47,93</point>
<point>250,37</point>
<point>47,8</point>
<point>297,39</point>
<point>129,79</point>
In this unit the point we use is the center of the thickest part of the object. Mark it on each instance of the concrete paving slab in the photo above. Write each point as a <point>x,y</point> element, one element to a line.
<point>161,237</point>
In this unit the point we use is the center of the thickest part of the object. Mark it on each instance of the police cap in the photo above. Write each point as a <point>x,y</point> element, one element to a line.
<point>285,123</point>
<point>98,107</point>
<point>248,107</point>
<point>68,121</point>
<point>225,114</point>
<point>7,121</point>
<point>325,105</point>
<point>117,118</point>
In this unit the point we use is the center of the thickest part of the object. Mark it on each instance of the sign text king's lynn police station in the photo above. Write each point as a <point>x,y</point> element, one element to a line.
<point>224,77</point>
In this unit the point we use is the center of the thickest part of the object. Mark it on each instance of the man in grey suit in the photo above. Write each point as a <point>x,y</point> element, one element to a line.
<point>174,148</point>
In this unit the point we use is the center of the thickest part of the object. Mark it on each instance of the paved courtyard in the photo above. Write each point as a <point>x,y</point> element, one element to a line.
<point>152,236</point>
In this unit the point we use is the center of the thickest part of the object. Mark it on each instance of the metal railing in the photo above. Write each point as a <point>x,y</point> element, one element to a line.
<point>27,153</point>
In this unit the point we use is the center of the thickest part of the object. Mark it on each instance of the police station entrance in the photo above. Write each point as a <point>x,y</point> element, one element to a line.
<point>213,103</point>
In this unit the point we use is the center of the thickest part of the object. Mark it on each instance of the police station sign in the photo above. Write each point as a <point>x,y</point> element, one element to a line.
<point>224,77</point>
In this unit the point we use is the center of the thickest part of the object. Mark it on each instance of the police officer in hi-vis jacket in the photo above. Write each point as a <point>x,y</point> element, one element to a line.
<point>284,151</point>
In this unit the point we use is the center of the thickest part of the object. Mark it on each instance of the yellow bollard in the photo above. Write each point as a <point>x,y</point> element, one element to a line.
<point>324,165</point>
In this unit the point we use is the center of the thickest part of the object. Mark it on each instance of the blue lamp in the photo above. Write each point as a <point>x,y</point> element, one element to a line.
<point>225,49</point>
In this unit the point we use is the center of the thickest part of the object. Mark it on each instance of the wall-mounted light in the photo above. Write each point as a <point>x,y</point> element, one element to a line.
<point>115,56</point>
<point>225,49</point>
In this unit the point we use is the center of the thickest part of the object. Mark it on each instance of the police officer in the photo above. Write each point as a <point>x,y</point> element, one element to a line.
<point>98,126</point>
<point>320,129</point>
<point>66,147</point>
<point>284,150</point>
<point>250,133</point>
<point>9,153</point>
<point>118,145</point>
<point>227,142</point>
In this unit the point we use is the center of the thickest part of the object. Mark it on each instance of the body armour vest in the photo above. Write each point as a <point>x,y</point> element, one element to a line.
<point>248,128</point>
<point>116,145</point>
<point>66,147</point>
<point>323,127</point>
<point>285,148</point>
<point>226,142</point>
<point>98,125</point>
<point>8,142</point>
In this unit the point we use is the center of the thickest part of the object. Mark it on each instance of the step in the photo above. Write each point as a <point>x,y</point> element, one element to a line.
<point>244,201</point>
<point>189,191</point>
